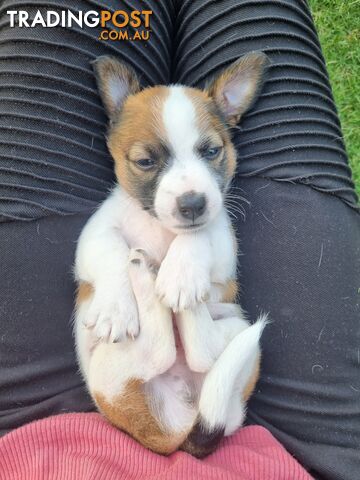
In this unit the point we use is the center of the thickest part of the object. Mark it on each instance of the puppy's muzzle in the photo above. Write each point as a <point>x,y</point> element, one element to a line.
<point>191,205</point>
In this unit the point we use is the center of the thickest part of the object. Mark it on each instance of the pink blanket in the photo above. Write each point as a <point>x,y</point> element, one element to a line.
<point>86,447</point>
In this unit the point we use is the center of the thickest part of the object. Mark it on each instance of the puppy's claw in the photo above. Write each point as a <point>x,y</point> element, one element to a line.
<point>113,315</point>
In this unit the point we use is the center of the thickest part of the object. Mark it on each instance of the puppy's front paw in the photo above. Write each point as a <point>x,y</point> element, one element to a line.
<point>113,317</point>
<point>182,287</point>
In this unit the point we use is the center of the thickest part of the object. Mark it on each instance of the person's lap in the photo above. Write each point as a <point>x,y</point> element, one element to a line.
<point>300,256</point>
<point>299,242</point>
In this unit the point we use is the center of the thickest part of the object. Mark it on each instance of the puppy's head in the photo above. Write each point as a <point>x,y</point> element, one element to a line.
<point>171,145</point>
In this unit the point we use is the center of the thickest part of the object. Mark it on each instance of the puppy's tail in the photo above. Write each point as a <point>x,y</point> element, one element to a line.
<point>234,373</point>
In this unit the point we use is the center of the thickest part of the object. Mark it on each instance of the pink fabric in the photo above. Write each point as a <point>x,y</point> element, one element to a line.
<point>86,447</point>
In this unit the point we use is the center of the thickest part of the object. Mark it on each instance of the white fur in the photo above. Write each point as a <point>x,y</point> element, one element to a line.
<point>101,260</point>
<point>173,397</point>
<point>194,266</point>
<point>112,365</point>
<point>107,367</point>
<point>229,376</point>
<point>175,393</point>
<point>120,224</point>
<point>202,350</point>
<point>181,123</point>
<point>188,172</point>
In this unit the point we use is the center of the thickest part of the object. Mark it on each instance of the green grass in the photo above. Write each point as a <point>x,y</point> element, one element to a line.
<point>338,24</point>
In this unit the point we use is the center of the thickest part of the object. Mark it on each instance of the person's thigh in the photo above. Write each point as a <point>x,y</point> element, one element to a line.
<point>53,153</point>
<point>300,241</point>
<point>54,171</point>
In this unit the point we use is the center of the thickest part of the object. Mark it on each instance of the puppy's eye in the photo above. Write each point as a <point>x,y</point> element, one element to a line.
<point>212,153</point>
<point>145,163</point>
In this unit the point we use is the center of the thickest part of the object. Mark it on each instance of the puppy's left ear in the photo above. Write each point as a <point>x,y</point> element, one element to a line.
<point>236,88</point>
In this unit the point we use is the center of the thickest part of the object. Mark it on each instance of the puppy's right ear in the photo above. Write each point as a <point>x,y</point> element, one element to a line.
<point>116,81</point>
<point>236,89</point>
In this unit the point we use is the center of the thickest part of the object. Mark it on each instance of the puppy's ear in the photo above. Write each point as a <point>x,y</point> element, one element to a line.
<point>116,81</point>
<point>237,87</point>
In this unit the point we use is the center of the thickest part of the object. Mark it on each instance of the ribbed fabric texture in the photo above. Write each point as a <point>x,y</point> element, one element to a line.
<point>293,134</point>
<point>86,447</point>
<point>53,157</point>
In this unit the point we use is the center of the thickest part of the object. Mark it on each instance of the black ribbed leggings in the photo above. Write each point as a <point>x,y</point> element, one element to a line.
<point>300,242</point>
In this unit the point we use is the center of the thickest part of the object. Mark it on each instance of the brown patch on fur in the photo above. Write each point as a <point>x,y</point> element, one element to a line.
<point>253,380</point>
<point>231,159</point>
<point>140,125</point>
<point>84,292</point>
<point>130,412</point>
<point>230,292</point>
<point>211,124</point>
<point>137,131</point>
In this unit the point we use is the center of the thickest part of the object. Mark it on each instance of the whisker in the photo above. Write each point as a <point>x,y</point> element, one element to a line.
<point>237,214</point>
<point>236,201</point>
<point>235,209</point>
<point>239,197</point>
<point>234,216</point>
<point>230,201</point>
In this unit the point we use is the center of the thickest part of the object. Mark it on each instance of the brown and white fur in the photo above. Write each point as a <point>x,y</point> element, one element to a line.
<point>164,357</point>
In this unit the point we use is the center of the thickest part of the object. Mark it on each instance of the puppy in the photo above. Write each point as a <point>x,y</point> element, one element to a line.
<point>164,356</point>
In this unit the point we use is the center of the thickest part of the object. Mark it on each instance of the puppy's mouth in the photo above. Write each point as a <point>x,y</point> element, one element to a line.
<point>193,226</point>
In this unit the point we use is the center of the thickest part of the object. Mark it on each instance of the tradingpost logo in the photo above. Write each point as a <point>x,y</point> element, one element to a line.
<point>114,26</point>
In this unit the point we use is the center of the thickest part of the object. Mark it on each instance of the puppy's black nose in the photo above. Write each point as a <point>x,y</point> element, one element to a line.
<point>191,205</point>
